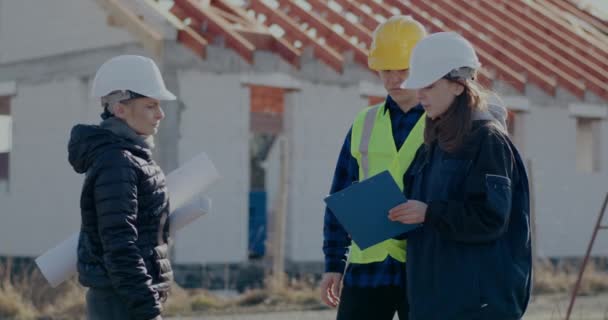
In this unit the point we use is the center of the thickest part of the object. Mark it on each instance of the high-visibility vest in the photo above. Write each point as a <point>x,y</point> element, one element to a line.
<point>373,145</point>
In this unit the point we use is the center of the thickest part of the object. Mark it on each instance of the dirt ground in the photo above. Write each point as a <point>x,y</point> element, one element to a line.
<point>541,308</point>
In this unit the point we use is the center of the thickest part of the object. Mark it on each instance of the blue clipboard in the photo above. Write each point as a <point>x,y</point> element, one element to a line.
<point>362,209</point>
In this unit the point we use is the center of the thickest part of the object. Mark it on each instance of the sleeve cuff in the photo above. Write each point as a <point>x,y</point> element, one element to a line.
<point>335,266</point>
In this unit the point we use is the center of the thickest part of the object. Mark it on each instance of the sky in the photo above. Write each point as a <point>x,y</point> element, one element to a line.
<point>600,5</point>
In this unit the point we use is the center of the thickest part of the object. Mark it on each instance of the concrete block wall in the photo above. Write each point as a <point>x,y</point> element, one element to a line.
<point>216,120</point>
<point>567,201</point>
<point>41,205</point>
<point>321,116</point>
<point>31,29</point>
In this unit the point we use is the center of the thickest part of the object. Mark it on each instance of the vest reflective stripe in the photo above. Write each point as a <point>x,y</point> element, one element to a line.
<point>372,144</point>
<point>368,125</point>
<point>407,153</point>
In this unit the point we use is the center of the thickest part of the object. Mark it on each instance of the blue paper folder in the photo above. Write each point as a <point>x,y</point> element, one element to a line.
<point>362,209</point>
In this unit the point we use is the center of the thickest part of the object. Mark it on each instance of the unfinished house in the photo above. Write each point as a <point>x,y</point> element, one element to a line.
<point>268,89</point>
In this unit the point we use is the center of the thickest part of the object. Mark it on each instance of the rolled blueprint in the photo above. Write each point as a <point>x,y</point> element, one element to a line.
<point>186,186</point>
<point>189,212</point>
<point>59,263</point>
<point>192,178</point>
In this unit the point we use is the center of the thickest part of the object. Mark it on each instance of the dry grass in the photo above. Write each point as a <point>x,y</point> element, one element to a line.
<point>187,302</point>
<point>560,278</point>
<point>295,295</point>
<point>28,296</point>
<point>288,297</point>
<point>13,306</point>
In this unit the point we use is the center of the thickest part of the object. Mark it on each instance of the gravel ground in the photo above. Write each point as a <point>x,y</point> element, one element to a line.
<point>541,308</point>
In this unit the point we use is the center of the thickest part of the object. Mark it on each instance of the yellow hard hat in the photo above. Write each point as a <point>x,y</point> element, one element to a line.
<point>393,43</point>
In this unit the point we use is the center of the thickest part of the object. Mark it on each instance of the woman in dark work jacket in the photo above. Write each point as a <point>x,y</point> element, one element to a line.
<point>468,189</point>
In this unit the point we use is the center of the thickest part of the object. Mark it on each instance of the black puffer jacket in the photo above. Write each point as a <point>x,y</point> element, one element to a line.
<point>124,207</point>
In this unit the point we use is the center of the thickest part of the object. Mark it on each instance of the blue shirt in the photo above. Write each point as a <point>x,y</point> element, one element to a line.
<point>389,272</point>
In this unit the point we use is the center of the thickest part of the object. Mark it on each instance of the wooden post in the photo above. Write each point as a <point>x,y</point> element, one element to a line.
<point>121,16</point>
<point>280,220</point>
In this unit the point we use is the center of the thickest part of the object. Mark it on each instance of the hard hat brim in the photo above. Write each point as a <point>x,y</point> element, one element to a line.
<point>164,95</point>
<point>419,81</point>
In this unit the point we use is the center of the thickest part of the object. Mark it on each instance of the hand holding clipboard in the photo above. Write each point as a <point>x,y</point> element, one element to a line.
<point>362,209</point>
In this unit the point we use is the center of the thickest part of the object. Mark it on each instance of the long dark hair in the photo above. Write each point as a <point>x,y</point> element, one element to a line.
<point>453,127</point>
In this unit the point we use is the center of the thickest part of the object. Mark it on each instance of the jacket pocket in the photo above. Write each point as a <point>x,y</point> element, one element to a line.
<point>498,191</point>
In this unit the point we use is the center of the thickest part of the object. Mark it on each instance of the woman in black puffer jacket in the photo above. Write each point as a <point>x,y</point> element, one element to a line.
<point>123,245</point>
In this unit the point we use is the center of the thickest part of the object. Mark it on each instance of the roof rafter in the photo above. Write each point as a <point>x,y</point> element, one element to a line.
<point>332,38</point>
<point>352,29</point>
<point>242,34</point>
<point>122,15</point>
<point>501,70</point>
<point>548,62</point>
<point>321,51</point>
<point>367,20</point>
<point>558,25</point>
<point>581,14</point>
<point>520,41</point>
<point>218,26</point>
<point>508,19</point>
<point>549,43</point>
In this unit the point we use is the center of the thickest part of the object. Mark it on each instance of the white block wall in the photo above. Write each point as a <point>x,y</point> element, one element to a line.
<point>321,116</point>
<point>41,206</point>
<point>216,120</point>
<point>567,202</point>
<point>34,29</point>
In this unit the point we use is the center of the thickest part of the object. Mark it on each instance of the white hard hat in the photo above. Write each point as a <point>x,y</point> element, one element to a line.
<point>437,55</point>
<point>134,73</point>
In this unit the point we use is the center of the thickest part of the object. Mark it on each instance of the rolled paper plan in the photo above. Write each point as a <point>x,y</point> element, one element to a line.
<point>59,263</point>
<point>189,212</point>
<point>186,186</point>
<point>191,179</point>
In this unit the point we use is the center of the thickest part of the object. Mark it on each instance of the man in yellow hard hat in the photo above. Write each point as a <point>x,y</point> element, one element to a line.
<point>382,137</point>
